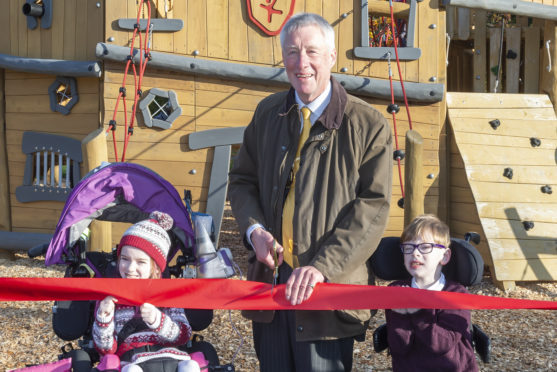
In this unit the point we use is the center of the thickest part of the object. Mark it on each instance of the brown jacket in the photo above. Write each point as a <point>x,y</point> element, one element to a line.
<point>343,189</point>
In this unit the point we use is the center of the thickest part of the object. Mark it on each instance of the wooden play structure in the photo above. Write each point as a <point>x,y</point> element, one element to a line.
<point>67,75</point>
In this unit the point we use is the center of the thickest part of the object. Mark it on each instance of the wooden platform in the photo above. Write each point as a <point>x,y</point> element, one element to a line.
<point>486,199</point>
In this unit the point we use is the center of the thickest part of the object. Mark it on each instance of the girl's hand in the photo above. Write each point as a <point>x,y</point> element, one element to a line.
<point>107,306</point>
<point>149,313</point>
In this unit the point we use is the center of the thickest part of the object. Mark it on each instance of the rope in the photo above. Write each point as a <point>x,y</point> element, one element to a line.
<point>500,55</point>
<point>393,107</point>
<point>393,113</point>
<point>144,57</point>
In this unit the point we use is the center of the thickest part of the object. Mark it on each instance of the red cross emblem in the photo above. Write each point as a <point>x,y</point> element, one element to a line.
<point>270,15</point>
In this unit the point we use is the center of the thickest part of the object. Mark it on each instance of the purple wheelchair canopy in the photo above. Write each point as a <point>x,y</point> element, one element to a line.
<point>134,183</point>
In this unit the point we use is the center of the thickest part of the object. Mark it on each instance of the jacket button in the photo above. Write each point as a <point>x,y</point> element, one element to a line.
<point>283,148</point>
<point>300,328</point>
<point>323,148</point>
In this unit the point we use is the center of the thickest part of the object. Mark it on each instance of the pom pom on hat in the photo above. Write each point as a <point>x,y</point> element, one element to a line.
<point>151,237</point>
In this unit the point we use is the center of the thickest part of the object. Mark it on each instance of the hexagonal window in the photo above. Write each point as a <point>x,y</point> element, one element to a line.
<point>160,108</point>
<point>63,94</point>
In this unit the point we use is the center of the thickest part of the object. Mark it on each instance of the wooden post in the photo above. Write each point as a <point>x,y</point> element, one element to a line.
<point>413,177</point>
<point>94,153</point>
<point>5,222</point>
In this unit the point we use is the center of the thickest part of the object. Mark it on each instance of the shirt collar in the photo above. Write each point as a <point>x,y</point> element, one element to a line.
<point>318,105</point>
<point>437,286</point>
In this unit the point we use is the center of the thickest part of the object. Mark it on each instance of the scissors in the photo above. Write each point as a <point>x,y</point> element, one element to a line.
<point>275,272</point>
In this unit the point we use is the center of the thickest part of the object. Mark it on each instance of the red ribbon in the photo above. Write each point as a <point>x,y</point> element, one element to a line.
<point>246,295</point>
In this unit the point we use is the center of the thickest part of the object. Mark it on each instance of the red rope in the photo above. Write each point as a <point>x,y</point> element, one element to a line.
<point>395,43</point>
<point>393,112</point>
<point>144,50</point>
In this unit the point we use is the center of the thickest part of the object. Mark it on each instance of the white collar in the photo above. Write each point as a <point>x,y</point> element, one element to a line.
<point>318,105</point>
<point>437,286</point>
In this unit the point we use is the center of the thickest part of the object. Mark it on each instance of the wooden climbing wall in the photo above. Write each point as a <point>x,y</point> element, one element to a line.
<point>27,108</point>
<point>502,179</point>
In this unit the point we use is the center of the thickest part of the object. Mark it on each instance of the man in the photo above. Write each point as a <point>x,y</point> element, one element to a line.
<point>320,204</point>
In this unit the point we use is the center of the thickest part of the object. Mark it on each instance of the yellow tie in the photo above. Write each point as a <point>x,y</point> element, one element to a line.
<point>288,209</point>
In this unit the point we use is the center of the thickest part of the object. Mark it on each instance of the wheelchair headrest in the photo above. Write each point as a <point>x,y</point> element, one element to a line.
<point>465,266</point>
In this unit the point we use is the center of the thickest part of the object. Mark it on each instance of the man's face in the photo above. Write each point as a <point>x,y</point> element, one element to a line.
<point>308,61</point>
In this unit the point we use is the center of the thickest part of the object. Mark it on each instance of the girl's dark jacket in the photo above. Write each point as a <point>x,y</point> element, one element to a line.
<point>343,189</point>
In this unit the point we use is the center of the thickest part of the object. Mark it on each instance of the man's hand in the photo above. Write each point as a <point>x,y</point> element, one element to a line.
<point>106,307</point>
<point>262,242</point>
<point>299,286</point>
<point>149,313</point>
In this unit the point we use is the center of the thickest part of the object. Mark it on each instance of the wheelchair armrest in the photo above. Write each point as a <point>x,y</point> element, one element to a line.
<point>482,343</point>
<point>380,341</point>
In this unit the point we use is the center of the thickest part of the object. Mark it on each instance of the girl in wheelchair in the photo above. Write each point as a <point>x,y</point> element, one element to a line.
<point>145,337</point>
<point>429,339</point>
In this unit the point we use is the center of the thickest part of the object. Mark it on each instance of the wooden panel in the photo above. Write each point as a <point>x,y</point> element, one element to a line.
<point>113,11</point>
<point>504,141</point>
<point>81,31</point>
<point>33,43</point>
<point>95,32</point>
<point>331,14</point>
<point>197,27</point>
<point>346,36</point>
<point>488,100</point>
<point>480,50</point>
<point>428,36</point>
<point>38,86</point>
<point>519,113</point>
<point>531,59</point>
<point>494,46</point>
<point>532,174</point>
<point>70,39</point>
<point>88,103</point>
<point>14,12</point>
<point>180,11</point>
<point>512,68</point>
<point>260,46</point>
<point>480,154</point>
<point>238,32</point>
<point>21,30</point>
<point>35,217</point>
<point>541,129</point>
<point>53,121</point>
<point>217,28</point>
<point>513,249</point>
<point>162,151</point>
<point>532,269</point>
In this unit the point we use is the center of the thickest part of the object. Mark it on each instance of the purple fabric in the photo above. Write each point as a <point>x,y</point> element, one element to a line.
<point>63,365</point>
<point>138,186</point>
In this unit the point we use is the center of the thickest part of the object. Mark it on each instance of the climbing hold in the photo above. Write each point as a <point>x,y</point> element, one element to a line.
<point>547,189</point>
<point>528,225</point>
<point>495,123</point>
<point>393,107</point>
<point>535,142</point>
<point>398,154</point>
<point>400,203</point>
<point>495,70</point>
<point>508,172</point>
<point>511,54</point>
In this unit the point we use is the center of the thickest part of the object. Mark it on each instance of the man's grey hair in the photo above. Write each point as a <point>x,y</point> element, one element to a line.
<point>308,19</point>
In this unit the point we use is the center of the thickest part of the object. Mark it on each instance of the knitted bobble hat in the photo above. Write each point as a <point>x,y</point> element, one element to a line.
<point>151,237</point>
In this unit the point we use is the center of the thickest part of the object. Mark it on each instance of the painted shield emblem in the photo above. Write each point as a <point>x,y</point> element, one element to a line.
<point>270,15</point>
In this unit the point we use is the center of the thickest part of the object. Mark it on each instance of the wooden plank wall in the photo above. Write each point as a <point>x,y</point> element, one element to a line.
<point>77,26</point>
<point>27,107</point>
<point>523,37</point>
<point>484,200</point>
<point>221,29</point>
